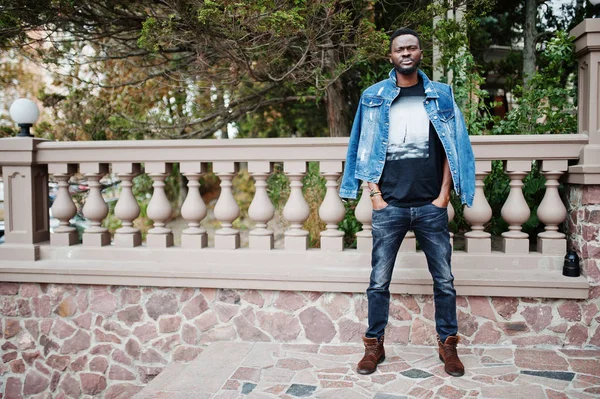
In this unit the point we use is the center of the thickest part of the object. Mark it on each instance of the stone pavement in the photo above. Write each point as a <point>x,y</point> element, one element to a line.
<point>228,370</point>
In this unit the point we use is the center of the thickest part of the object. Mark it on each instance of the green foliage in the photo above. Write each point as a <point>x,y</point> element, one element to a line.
<point>243,192</point>
<point>547,106</point>
<point>350,226</point>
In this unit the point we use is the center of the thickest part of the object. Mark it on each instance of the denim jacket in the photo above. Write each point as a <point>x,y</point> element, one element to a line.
<point>369,138</point>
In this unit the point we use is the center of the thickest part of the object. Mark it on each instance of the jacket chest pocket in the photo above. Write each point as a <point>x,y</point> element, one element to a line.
<point>372,109</point>
<point>446,115</point>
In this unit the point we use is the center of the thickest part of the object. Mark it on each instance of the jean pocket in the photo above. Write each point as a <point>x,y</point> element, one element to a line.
<point>439,207</point>
<point>382,209</point>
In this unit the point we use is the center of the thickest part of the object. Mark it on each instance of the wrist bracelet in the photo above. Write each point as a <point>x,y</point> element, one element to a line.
<point>374,193</point>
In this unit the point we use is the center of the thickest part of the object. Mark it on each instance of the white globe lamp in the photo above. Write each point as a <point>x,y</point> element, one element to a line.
<point>24,112</point>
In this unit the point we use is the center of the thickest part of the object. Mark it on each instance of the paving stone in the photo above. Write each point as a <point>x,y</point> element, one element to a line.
<point>301,391</point>
<point>388,396</point>
<point>557,375</point>
<point>247,388</point>
<point>416,373</point>
<point>504,392</point>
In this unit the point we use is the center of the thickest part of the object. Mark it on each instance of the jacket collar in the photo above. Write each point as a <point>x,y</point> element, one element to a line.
<point>430,91</point>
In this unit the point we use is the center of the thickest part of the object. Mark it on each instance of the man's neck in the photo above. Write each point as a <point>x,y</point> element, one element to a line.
<point>407,80</point>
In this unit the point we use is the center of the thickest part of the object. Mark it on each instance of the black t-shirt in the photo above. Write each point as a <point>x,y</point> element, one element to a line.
<point>413,170</point>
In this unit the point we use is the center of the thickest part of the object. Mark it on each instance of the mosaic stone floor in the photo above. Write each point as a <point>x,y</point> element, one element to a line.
<point>269,370</point>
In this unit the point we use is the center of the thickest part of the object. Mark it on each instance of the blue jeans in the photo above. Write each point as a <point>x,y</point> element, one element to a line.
<point>430,225</point>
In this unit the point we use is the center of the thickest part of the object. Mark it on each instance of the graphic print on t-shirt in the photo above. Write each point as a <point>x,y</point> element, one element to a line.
<point>409,129</point>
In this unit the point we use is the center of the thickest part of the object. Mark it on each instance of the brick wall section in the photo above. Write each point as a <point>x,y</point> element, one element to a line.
<point>67,341</point>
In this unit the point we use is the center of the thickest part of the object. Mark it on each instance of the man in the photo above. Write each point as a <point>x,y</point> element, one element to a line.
<point>409,142</point>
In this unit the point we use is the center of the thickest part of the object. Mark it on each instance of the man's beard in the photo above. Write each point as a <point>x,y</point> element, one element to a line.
<point>409,70</point>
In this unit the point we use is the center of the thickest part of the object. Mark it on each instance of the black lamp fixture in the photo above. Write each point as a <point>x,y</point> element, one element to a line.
<point>24,112</point>
<point>595,3</point>
<point>571,265</point>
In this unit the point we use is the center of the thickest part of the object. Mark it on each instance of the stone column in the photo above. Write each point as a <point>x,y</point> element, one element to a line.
<point>25,199</point>
<point>364,214</point>
<point>95,208</point>
<point>193,209</point>
<point>63,208</point>
<point>159,208</point>
<point>451,214</point>
<point>479,214</point>
<point>296,209</point>
<point>226,208</point>
<point>587,50</point>
<point>127,208</point>
<point>552,211</point>
<point>515,210</point>
<point>332,210</point>
<point>583,192</point>
<point>261,210</point>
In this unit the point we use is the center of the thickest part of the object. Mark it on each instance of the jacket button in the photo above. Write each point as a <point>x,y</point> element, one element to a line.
<point>435,117</point>
<point>426,102</point>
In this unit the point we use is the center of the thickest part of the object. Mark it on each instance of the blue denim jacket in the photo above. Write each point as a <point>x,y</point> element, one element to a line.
<point>369,138</point>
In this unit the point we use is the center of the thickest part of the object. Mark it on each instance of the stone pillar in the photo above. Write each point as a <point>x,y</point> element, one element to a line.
<point>25,199</point>
<point>364,214</point>
<point>552,211</point>
<point>332,210</point>
<point>63,208</point>
<point>261,210</point>
<point>127,208</point>
<point>159,208</point>
<point>95,208</point>
<point>479,214</point>
<point>296,209</point>
<point>583,193</point>
<point>193,209</point>
<point>515,210</point>
<point>587,50</point>
<point>226,209</point>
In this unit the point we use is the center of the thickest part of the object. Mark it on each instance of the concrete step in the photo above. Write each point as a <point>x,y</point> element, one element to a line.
<point>201,378</point>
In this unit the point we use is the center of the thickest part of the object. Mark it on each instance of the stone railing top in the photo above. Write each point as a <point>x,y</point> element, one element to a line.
<point>510,147</point>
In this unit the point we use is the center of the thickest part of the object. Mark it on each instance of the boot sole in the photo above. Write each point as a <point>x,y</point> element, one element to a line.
<point>459,374</point>
<point>366,372</point>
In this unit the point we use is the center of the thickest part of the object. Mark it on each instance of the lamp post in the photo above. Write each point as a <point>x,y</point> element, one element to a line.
<point>25,112</point>
<point>595,3</point>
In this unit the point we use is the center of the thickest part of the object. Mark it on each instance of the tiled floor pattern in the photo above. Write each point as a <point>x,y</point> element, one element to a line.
<point>265,370</point>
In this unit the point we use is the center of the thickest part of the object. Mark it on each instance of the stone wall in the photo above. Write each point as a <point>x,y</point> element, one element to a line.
<point>66,341</point>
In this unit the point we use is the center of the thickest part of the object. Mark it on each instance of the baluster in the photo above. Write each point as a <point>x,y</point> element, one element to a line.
<point>95,208</point>
<point>63,207</point>
<point>332,210</point>
<point>193,209</point>
<point>296,209</point>
<point>261,209</point>
<point>451,214</point>
<point>364,214</point>
<point>127,208</point>
<point>159,209</point>
<point>479,214</point>
<point>552,211</point>
<point>515,210</point>
<point>226,208</point>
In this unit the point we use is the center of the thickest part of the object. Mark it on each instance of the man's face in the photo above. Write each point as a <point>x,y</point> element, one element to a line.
<point>406,54</point>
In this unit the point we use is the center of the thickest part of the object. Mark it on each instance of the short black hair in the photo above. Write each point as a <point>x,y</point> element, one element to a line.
<point>404,31</point>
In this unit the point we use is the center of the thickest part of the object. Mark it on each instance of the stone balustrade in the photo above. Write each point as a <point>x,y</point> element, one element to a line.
<point>261,265</point>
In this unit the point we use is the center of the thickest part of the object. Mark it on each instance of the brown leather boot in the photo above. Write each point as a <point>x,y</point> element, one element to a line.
<point>449,356</point>
<point>374,354</point>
